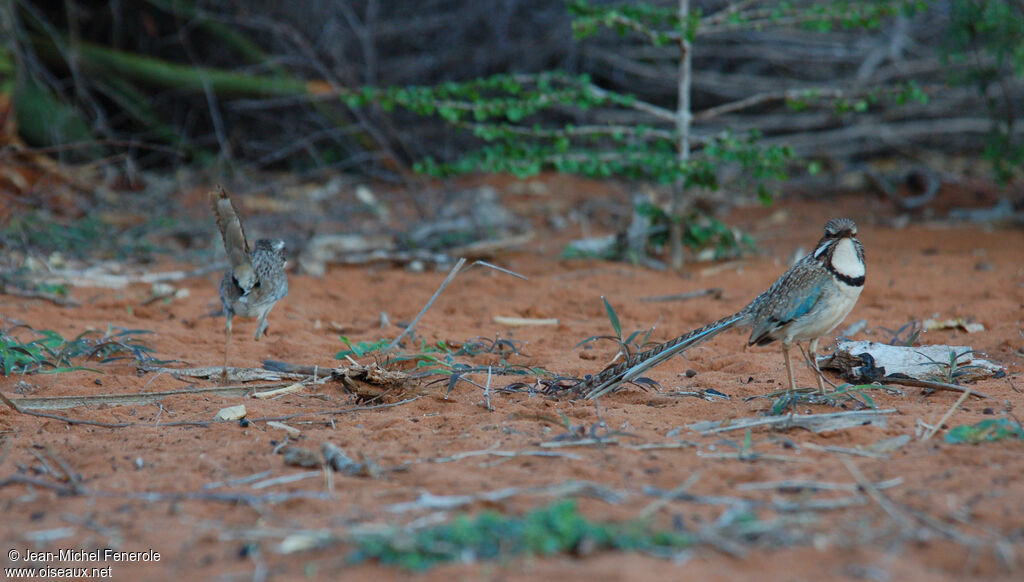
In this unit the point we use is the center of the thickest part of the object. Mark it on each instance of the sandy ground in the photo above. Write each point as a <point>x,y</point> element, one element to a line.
<point>956,512</point>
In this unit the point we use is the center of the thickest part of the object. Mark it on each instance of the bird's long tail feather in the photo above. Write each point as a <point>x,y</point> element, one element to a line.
<point>612,376</point>
<point>235,244</point>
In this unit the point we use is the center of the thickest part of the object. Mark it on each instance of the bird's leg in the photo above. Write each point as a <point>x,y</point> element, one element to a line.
<point>789,372</point>
<point>261,327</point>
<point>227,346</point>
<point>812,348</point>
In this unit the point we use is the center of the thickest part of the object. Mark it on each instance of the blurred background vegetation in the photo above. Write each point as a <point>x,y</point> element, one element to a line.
<point>258,83</point>
<point>678,93</point>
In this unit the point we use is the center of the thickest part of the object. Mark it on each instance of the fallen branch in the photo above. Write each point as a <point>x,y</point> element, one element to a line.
<point>747,504</point>
<point>496,453</point>
<point>96,276</point>
<point>238,480</point>
<point>226,497</point>
<point>284,479</point>
<point>335,411</point>
<point>430,502</point>
<point>523,321</point>
<point>877,495</point>
<point>23,404</point>
<point>845,451</point>
<point>19,479</point>
<point>588,442</point>
<point>11,289</point>
<point>664,500</point>
<point>934,385</point>
<point>235,374</point>
<point>945,417</point>
<point>790,486</point>
<point>752,456</point>
<point>714,292</point>
<point>817,423</point>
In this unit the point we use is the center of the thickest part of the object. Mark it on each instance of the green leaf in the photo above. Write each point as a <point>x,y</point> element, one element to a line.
<point>988,430</point>
<point>612,317</point>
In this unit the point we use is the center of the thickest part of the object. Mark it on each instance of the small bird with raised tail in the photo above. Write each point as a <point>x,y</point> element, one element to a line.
<point>255,280</point>
<point>806,302</point>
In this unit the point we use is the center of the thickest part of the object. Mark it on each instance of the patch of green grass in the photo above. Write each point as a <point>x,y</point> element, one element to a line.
<point>360,349</point>
<point>988,430</point>
<point>51,353</point>
<point>427,355</point>
<point>558,528</point>
<point>55,289</point>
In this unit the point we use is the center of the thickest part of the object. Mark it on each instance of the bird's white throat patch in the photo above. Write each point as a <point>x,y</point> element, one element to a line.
<point>845,260</point>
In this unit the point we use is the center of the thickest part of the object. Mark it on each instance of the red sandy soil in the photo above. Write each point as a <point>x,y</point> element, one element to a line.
<point>923,270</point>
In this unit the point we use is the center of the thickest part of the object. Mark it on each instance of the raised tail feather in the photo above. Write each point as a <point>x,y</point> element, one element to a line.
<point>235,245</point>
<point>627,371</point>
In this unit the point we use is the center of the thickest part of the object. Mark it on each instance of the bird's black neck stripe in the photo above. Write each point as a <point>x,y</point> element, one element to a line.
<point>824,255</point>
<point>851,281</point>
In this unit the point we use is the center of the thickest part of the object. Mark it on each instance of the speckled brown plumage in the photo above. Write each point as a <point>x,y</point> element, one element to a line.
<point>255,280</point>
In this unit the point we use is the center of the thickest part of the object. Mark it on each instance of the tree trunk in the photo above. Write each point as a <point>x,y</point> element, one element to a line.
<point>679,204</point>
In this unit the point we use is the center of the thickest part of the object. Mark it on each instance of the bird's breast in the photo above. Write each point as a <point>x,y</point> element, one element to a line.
<point>830,312</point>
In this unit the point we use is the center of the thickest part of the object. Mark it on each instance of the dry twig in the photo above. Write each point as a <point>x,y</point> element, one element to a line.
<point>935,428</point>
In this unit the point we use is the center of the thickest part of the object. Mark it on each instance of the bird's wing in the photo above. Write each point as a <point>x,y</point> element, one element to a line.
<point>794,295</point>
<point>235,245</point>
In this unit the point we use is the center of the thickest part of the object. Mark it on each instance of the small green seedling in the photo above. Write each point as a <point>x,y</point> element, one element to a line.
<point>988,430</point>
<point>627,345</point>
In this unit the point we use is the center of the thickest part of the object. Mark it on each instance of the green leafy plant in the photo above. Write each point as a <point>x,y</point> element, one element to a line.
<point>951,370</point>
<point>626,345</point>
<point>521,119</point>
<point>360,349</point>
<point>701,231</point>
<point>988,430</point>
<point>558,528</point>
<point>984,41</point>
<point>50,353</point>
